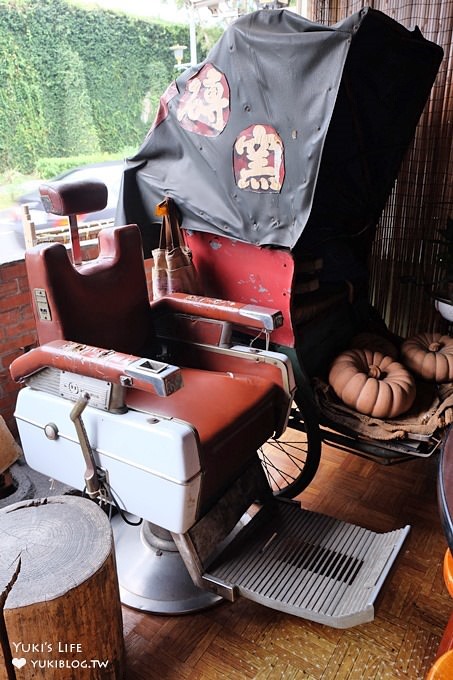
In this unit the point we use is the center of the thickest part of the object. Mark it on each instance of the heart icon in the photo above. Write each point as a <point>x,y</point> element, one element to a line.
<point>19,662</point>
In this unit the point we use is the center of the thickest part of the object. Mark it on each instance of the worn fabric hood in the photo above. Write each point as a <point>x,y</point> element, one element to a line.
<point>286,124</point>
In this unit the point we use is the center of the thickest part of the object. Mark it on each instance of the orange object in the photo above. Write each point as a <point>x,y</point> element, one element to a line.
<point>448,572</point>
<point>443,668</point>
<point>161,209</point>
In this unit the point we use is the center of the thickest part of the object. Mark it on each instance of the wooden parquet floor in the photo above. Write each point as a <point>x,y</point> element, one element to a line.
<point>242,640</point>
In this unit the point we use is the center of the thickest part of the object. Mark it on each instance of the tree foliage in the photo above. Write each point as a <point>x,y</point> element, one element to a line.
<point>78,81</point>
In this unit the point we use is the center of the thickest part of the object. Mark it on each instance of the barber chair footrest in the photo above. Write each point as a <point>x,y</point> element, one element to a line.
<point>307,564</point>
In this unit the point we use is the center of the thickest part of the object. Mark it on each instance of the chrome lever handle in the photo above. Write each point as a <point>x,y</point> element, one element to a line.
<point>91,476</point>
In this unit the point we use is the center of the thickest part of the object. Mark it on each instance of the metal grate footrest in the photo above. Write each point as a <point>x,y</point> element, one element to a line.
<point>309,565</point>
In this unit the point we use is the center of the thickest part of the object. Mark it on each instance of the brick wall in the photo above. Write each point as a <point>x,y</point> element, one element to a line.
<point>17,331</point>
<point>17,327</point>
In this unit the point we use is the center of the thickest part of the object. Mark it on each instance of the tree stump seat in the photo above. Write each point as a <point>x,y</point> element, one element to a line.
<point>60,612</point>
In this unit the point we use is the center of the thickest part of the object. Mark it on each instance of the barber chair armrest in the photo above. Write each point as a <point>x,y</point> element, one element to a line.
<point>122,369</point>
<point>251,316</point>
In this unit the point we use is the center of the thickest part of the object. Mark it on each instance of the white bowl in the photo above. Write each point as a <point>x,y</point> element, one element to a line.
<point>445,309</point>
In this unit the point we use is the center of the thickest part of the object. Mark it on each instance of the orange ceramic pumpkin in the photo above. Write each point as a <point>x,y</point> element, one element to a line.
<point>429,355</point>
<point>372,383</point>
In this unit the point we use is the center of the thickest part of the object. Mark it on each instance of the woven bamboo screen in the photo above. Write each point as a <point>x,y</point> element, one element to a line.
<point>405,262</point>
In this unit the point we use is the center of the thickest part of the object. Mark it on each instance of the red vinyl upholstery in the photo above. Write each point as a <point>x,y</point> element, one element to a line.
<point>234,408</point>
<point>103,302</point>
<point>233,417</point>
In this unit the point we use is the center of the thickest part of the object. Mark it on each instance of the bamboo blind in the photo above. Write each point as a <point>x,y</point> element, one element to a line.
<point>404,261</point>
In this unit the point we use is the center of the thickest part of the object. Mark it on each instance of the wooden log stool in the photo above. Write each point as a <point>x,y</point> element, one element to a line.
<point>60,612</point>
<point>9,453</point>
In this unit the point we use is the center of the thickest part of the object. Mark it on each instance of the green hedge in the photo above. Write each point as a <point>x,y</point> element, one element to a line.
<point>78,81</point>
<point>46,168</point>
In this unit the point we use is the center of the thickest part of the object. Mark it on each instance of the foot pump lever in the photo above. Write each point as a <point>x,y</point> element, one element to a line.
<point>92,481</point>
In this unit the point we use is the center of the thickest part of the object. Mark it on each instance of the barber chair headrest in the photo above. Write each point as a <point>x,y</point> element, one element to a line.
<point>73,198</point>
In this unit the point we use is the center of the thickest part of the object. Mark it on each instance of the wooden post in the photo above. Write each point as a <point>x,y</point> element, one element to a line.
<point>9,449</point>
<point>59,600</point>
<point>9,453</point>
<point>29,228</point>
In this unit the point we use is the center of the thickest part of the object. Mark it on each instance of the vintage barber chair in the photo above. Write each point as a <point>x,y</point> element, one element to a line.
<point>281,170</point>
<point>173,415</point>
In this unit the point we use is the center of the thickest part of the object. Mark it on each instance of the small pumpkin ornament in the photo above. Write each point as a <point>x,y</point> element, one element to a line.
<point>372,383</point>
<point>429,355</point>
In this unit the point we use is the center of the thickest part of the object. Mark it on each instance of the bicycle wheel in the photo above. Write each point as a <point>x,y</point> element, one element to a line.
<point>291,462</point>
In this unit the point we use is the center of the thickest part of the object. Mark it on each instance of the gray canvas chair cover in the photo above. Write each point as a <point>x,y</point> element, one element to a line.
<point>286,126</point>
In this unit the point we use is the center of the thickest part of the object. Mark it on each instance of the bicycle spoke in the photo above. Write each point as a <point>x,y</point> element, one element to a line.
<point>283,461</point>
<point>269,465</point>
<point>290,463</point>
